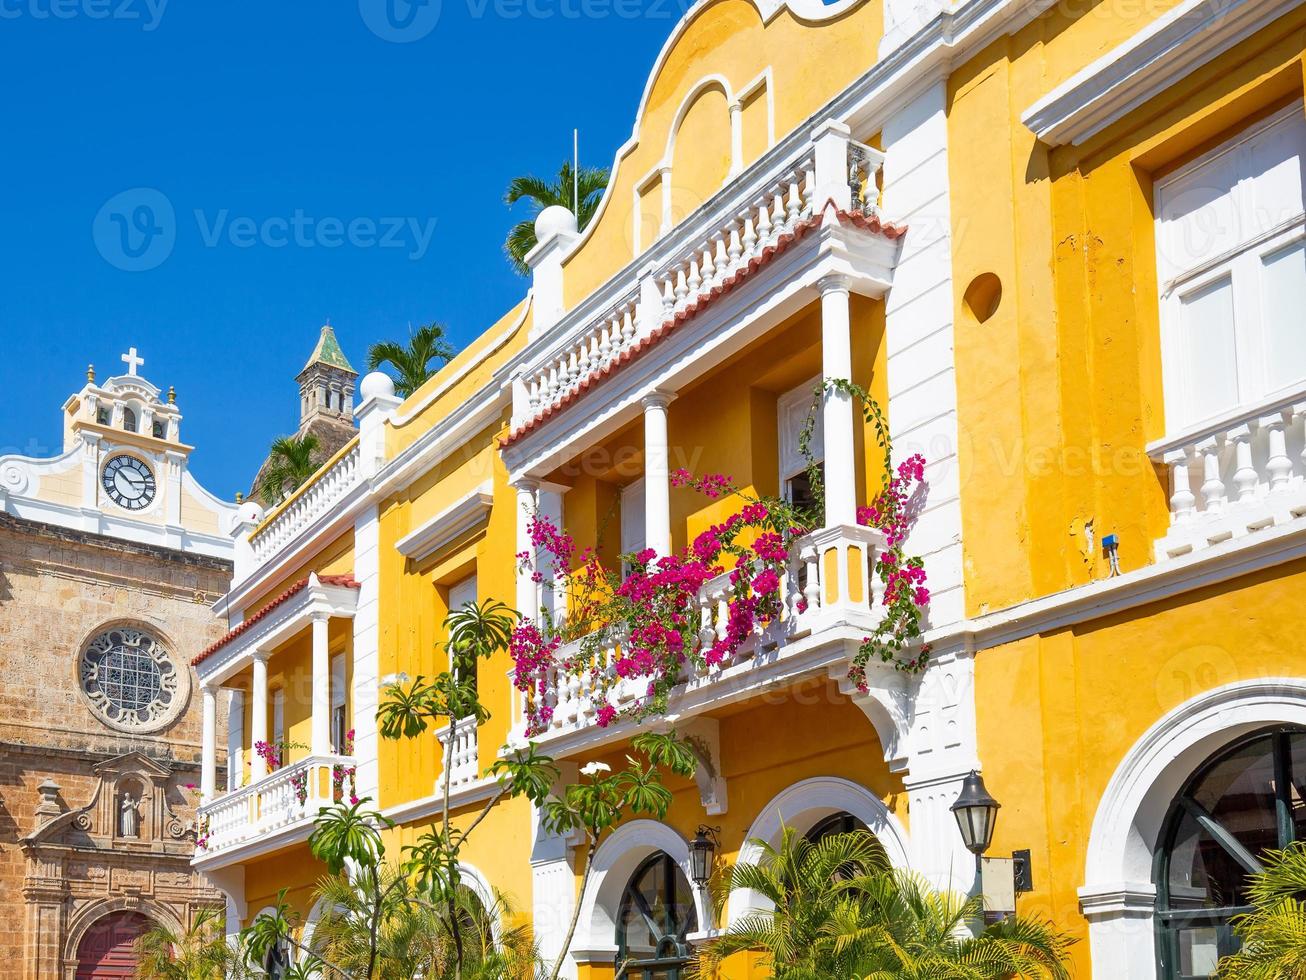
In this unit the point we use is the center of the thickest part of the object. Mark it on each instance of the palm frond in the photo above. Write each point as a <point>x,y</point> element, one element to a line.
<point>588,184</point>
<point>841,911</point>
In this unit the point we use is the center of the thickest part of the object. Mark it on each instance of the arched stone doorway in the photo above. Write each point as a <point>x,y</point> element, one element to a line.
<point>108,949</point>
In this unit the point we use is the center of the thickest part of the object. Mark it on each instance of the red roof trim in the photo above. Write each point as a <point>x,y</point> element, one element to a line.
<point>871,223</point>
<point>346,581</point>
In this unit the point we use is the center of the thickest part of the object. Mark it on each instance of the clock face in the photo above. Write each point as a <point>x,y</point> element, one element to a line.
<point>128,482</point>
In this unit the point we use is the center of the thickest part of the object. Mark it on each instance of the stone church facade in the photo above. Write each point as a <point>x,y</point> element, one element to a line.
<point>110,557</point>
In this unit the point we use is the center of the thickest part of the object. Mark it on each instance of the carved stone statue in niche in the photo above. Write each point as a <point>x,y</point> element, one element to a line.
<point>129,816</point>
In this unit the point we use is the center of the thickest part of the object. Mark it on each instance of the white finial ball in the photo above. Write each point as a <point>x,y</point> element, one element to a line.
<point>553,220</point>
<point>378,384</point>
<point>249,513</point>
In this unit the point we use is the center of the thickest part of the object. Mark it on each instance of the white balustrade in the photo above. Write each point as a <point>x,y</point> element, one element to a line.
<point>686,273</point>
<point>829,583</point>
<point>274,802</point>
<point>1234,477</point>
<point>326,488</point>
<point>460,753</point>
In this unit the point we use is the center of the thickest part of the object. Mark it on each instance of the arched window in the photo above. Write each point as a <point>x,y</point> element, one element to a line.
<point>129,419</point>
<point>842,822</point>
<point>1245,801</point>
<point>656,914</point>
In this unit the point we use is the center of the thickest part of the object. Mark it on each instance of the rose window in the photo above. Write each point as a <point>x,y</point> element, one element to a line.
<point>130,680</point>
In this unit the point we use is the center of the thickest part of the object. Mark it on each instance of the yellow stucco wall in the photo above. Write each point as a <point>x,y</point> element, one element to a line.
<point>1086,694</point>
<point>1060,389</point>
<point>1058,392</point>
<point>725,39</point>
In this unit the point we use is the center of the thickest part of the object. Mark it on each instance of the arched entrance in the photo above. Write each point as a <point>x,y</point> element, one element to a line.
<point>108,949</point>
<point>1139,832</point>
<point>1244,802</point>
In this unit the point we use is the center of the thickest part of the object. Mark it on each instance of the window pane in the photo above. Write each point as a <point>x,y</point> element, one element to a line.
<point>1283,300</point>
<point>1210,357</point>
<point>1199,950</point>
<point>1202,873</point>
<point>1239,794</point>
<point>1297,791</point>
<point>1270,165</point>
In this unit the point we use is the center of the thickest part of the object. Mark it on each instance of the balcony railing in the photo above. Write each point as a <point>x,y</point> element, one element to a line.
<point>1236,476</point>
<point>291,795</point>
<point>460,752</point>
<point>727,235</point>
<point>829,584</point>
<point>338,476</point>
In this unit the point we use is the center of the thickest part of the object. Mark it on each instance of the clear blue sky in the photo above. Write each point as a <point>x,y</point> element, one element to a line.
<point>280,113</point>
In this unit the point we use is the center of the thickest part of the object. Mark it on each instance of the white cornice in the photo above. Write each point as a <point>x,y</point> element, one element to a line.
<point>774,292</point>
<point>480,410</point>
<point>477,791</point>
<point>1153,583</point>
<point>1164,52</point>
<point>278,626</point>
<point>448,525</point>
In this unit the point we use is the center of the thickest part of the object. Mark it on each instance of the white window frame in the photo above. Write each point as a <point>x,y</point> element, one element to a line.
<point>339,700</point>
<point>461,591</point>
<point>279,716</point>
<point>1240,264</point>
<point>791,415</point>
<point>634,535</point>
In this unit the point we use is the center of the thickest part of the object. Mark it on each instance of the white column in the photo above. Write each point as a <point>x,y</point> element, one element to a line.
<point>918,334</point>
<point>236,740</point>
<point>321,728</point>
<point>657,474</point>
<point>366,652</point>
<point>209,737</point>
<point>553,881</point>
<point>528,600</point>
<point>258,729</point>
<point>837,407</point>
<point>1121,929</point>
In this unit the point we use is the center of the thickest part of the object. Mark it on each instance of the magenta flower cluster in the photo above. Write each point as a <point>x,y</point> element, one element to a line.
<point>651,615</point>
<point>905,593</point>
<point>270,753</point>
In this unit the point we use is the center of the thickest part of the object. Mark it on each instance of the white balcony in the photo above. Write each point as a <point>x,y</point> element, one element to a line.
<point>1235,476</point>
<point>822,623</point>
<point>340,476</point>
<point>274,811</point>
<point>806,211</point>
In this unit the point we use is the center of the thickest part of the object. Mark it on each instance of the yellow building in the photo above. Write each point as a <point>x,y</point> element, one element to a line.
<point>1063,247</point>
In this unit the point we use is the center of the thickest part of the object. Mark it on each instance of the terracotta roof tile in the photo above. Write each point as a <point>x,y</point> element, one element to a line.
<point>347,581</point>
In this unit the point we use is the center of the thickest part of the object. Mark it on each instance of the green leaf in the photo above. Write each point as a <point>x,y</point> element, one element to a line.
<point>344,833</point>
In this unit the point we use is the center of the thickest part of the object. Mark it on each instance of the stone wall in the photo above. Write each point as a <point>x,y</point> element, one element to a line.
<point>58,588</point>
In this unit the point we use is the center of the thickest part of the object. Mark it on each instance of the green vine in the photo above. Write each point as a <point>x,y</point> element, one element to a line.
<point>894,640</point>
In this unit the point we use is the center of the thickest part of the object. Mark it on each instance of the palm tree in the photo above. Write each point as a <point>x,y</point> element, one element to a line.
<point>543,193</point>
<point>199,953</point>
<point>412,363</point>
<point>1273,934</point>
<point>841,912</point>
<point>290,464</point>
<point>415,937</point>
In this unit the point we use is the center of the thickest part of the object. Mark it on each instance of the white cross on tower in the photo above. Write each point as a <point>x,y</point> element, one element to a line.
<point>133,360</point>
